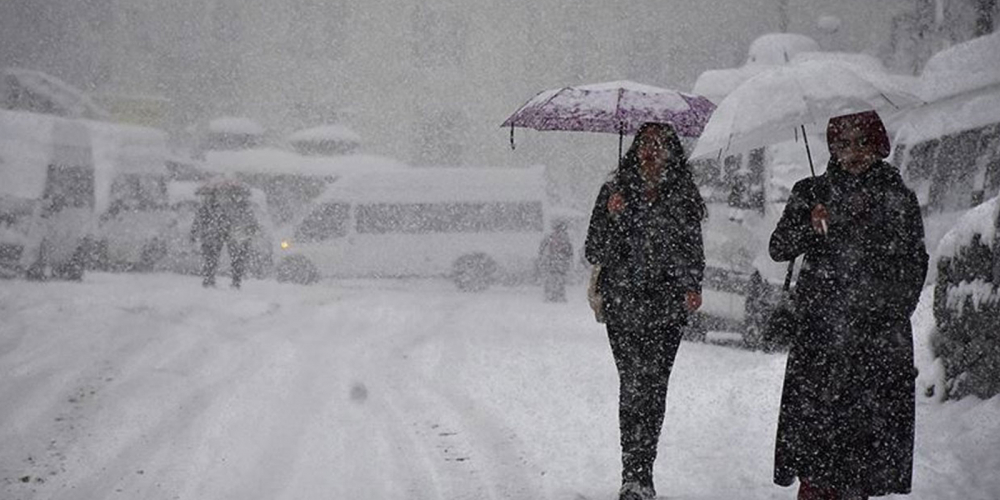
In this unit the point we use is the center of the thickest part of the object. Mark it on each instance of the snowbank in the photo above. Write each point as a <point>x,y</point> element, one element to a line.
<point>978,220</point>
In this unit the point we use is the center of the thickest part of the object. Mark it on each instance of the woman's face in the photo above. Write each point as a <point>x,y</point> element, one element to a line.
<point>653,155</point>
<point>855,150</point>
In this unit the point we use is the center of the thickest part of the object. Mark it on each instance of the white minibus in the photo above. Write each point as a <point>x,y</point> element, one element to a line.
<point>476,226</point>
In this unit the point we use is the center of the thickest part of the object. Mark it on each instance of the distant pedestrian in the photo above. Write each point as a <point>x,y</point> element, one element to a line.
<point>645,234</point>
<point>225,217</point>
<point>554,258</point>
<point>846,425</point>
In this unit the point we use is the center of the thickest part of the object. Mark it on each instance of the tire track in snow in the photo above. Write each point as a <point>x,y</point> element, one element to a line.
<point>478,457</point>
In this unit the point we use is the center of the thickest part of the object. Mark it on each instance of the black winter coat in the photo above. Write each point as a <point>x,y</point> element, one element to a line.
<point>847,406</point>
<point>650,256</point>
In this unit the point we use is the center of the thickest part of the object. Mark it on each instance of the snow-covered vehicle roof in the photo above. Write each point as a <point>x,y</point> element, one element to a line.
<point>950,115</point>
<point>440,185</point>
<point>60,98</point>
<point>963,68</point>
<point>333,133</point>
<point>779,48</point>
<point>278,161</point>
<point>235,125</point>
<point>962,88</point>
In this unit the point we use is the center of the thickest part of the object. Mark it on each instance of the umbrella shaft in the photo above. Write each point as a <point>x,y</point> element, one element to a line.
<point>805,138</point>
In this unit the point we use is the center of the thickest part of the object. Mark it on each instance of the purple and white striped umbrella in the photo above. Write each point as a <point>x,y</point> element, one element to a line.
<point>614,107</point>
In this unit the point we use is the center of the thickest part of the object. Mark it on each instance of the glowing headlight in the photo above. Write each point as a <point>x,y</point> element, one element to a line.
<point>285,245</point>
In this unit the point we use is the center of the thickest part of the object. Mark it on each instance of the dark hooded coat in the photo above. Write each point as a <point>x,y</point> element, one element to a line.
<point>650,254</point>
<point>847,406</point>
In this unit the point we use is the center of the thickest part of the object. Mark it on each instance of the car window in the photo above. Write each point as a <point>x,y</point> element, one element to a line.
<point>69,187</point>
<point>134,192</point>
<point>327,221</point>
<point>378,218</point>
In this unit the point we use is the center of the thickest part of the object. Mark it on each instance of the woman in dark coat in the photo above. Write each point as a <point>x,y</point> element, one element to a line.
<point>846,425</point>
<point>645,233</point>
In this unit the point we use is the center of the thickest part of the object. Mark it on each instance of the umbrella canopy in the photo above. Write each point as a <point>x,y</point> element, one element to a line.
<point>614,107</point>
<point>773,106</point>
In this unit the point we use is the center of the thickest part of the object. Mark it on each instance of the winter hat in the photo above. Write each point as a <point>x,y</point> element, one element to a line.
<point>868,121</point>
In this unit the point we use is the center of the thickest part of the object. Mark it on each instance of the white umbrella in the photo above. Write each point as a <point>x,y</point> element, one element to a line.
<point>774,106</point>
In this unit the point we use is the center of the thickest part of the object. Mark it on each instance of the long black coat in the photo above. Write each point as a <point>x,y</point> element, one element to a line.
<point>847,407</point>
<point>650,255</point>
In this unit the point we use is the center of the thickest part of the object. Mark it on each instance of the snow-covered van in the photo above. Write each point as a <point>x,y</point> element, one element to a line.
<point>949,149</point>
<point>61,179</point>
<point>475,225</point>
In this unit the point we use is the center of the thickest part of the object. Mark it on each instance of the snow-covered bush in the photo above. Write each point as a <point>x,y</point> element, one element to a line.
<point>967,305</point>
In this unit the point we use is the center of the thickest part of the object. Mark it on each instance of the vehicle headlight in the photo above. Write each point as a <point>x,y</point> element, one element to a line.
<point>285,244</point>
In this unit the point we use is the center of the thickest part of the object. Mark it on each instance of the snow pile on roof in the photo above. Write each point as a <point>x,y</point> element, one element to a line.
<point>279,161</point>
<point>779,48</point>
<point>235,125</point>
<point>332,133</point>
<point>965,67</point>
<point>48,94</point>
<point>442,184</point>
<point>980,220</point>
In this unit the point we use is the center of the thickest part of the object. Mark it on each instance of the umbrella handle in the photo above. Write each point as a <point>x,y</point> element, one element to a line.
<point>512,147</point>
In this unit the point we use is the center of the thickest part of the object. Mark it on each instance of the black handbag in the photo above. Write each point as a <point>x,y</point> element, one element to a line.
<point>784,322</point>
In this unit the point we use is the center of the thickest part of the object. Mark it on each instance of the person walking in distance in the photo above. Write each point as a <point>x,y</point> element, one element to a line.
<point>554,257</point>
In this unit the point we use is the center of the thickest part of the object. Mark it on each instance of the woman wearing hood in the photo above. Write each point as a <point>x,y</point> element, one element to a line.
<point>846,425</point>
<point>645,233</point>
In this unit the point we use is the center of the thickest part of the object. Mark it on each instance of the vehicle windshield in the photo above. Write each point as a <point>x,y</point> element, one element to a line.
<point>134,192</point>
<point>328,221</point>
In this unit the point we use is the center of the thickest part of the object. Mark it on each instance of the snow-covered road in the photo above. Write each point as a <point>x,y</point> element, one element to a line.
<point>139,386</point>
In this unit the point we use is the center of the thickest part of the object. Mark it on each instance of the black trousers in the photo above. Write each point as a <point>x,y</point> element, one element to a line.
<point>238,253</point>
<point>644,355</point>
